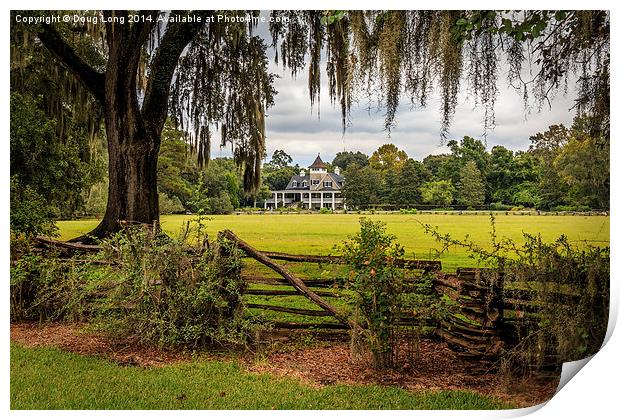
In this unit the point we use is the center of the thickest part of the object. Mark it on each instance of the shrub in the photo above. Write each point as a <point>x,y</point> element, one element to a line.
<point>325,210</point>
<point>499,206</point>
<point>409,211</point>
<point>571,286</point>
<point>31,214</point>
<point>567,329</point>
<point>571,208</point>
<point>381,294</point>
<point>183,291</point>
<point>220,204</point>
<point>170,205</point>
<point>48,288</point>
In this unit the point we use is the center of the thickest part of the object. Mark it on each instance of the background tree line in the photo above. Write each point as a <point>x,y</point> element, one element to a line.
<point>563,169</point>
<point>60,172</point>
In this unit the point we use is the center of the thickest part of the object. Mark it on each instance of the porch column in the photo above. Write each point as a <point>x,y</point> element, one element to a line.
<point>276,199</point>
<point>310,201</point>
<point>265,204</point>
<point>333,200</point>
<point>321,199</point>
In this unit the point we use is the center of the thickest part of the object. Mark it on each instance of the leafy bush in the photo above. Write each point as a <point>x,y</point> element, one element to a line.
<point>31,214</point>
<point>409,211</point>
<point>500,206</point>
<point>183,291</point>
<point>169,292</point>
<point>568,329</point>
<point>570,284</point>
<point>571,208</point>
<point>170,205</point>
<point>382,296</point>
<point>220,204</point>
<point>325,210</point>
<point>48,288</point>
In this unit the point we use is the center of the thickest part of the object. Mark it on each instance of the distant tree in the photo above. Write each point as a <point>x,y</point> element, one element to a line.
<point>387,157</point>
<point>583,163</point>
<point>220,204</point>
<point>280,159</point>
<point>440,193</point>
<point>409,181</point>
<point>440,167</point>
<point>278,179</point>
<point>175,164</point>
<point>362,186</point>
<point>500,175</point>
<point>257,197</point>
<point>466,150</point>
<point>471,185</point>
<point>344,159</point>
<point>526,179</point>
<point>526,194</point>
<point>545,147</point>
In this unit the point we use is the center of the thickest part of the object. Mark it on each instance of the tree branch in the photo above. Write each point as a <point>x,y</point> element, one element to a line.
<point>178,35</point>
<point>92,79</point>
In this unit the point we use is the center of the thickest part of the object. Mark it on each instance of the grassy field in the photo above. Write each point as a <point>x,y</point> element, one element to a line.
<point>318,233</point>
<point>44,378</point>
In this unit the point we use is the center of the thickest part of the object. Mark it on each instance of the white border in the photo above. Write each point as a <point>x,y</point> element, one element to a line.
<point>593,393</point>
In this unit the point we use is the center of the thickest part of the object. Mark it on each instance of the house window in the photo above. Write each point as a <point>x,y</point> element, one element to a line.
<point>315,182</point>
<point>327,184</point>
<point>304,184</point>
<point>294,184</point>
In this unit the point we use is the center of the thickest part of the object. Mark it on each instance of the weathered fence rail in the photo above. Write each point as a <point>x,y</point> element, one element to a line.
<point>491,315</point>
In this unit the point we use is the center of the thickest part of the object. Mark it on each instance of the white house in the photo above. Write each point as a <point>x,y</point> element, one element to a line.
<point>315,189</point>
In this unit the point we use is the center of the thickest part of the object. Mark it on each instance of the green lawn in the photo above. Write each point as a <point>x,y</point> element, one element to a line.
<point>318,233</point>
<point>44,378</point>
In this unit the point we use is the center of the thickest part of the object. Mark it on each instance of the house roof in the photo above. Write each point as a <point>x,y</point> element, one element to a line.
<point>339,179</point>
<point>318,163</point>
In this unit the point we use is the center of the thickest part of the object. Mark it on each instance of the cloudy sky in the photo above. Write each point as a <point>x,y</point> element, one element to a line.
<point>293,125</point>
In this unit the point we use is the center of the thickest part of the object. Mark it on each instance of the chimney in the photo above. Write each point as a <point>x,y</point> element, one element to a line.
<point>337,170</point>
<point>302,172</point>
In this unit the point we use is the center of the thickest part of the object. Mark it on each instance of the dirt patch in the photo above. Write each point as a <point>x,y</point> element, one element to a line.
<point>77,339</point>
<point>431,366</point>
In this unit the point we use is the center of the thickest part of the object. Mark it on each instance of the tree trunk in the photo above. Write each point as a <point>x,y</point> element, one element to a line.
<point>133,146</point>
<point>132,189</point>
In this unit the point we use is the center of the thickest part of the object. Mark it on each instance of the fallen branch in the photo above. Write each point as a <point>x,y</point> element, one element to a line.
<point>72,246</point>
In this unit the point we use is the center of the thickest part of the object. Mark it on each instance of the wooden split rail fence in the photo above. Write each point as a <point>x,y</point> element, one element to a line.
<point>490,316</point>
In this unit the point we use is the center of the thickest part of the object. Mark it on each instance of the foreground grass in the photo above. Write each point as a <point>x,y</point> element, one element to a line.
<point>318,233</point>
<point>44,378</point>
